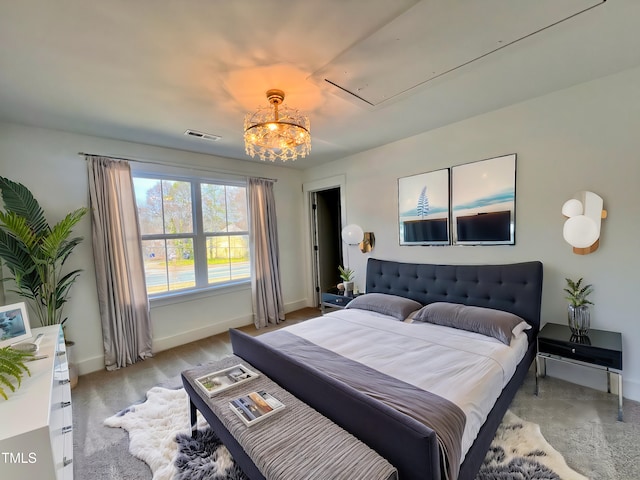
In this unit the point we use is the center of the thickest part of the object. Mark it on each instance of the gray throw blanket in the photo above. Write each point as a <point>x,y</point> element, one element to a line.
<point>439,414</point>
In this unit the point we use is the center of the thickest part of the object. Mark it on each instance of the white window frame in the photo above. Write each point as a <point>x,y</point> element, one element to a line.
<point>199,236</point>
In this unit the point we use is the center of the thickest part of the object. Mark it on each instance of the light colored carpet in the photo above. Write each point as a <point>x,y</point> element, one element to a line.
<point>582,424</point>
<point>519,450</point>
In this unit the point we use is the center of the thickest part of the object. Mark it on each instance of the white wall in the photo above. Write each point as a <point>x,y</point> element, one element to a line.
<point>47,162</point>
<point>582,138</point>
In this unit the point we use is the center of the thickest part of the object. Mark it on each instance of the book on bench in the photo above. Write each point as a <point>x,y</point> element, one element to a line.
<point>255,406</point>
<point>221,380</point>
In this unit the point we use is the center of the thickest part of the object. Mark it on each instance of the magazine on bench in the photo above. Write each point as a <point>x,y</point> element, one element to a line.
<point>255,406</point>
<point>222,380</point>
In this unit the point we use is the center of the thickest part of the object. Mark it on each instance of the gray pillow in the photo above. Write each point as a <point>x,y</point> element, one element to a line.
<point>487,321</point>
<point>392,305</point>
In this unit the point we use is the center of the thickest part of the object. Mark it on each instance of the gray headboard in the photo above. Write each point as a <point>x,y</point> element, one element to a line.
<point>515,288</point>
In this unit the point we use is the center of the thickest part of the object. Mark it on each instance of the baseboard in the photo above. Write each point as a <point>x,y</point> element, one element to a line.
<point>293,306</point>
<point>93,364</point>
<point>96,363</point>
<point>592,378</point>
<point>631,389</point>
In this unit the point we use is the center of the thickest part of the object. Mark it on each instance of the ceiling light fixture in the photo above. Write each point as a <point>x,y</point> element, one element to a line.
<point>276,132</point>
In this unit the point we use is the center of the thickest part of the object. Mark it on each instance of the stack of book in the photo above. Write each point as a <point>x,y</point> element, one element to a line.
<point>255,406</point>
<point>252,407</point>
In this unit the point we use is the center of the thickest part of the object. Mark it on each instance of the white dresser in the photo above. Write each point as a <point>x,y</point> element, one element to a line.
<point>36,438</point>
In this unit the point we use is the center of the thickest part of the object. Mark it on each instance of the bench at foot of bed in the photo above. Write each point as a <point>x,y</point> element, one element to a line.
<point>295,443</point>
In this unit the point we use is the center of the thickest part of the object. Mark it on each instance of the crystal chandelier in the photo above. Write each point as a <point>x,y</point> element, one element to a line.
<point>276,132</point>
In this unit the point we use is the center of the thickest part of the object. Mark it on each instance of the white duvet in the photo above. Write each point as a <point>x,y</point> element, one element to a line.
<point>467,368</point>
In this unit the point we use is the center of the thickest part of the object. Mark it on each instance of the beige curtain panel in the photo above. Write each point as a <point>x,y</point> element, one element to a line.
<point>266,291</point>
<point>122,291</point>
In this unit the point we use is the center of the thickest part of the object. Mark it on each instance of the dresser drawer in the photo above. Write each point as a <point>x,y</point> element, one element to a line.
<point>36,421</point>
<point>583,353</point>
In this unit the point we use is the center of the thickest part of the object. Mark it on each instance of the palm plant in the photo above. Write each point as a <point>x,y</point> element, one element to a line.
<point>12,365</point>
<point>35,253</point>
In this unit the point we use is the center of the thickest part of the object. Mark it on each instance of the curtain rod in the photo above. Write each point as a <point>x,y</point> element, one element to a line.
<point>167,164</point>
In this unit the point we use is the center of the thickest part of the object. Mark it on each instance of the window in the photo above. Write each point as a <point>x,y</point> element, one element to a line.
<point>195,233</point>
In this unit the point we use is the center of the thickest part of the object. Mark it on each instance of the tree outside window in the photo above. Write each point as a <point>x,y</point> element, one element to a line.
<point>194,233</point>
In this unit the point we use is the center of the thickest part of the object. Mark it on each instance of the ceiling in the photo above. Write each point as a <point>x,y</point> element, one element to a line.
<point>366,72</point>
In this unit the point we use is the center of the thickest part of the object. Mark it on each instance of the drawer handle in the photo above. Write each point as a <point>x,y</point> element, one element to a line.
<point>65,404</point>
<point>67,461</point>
<point>64,382</point>
<point>573,350</point>
<point>67,429</point>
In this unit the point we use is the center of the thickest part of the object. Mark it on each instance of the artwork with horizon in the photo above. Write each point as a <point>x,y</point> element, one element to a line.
<point>423,208</point>
<point>483,202</point>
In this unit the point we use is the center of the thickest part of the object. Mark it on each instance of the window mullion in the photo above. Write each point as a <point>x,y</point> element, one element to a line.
<point>200,247</point>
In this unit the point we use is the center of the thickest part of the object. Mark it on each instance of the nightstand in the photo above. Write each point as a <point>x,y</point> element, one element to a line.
<point>601,349</point>
<point>335,300</point>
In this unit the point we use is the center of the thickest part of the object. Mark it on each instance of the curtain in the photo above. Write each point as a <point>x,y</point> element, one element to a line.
<point>266,291</point>
<point>122,291</point>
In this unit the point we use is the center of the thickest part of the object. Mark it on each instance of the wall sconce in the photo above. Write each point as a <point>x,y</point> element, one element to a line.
<point>582,228</point>
<point>368,242</point>
<point>352,234</point>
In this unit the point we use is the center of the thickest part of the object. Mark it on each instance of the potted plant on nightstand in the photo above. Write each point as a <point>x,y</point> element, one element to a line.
<point>346,274</point>
<point>579,314</point>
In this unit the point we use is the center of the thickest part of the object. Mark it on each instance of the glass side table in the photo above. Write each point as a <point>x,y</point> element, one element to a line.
<point>601,349</point>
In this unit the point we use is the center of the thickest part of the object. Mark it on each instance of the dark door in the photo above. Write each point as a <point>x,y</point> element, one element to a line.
<point>327,246</point>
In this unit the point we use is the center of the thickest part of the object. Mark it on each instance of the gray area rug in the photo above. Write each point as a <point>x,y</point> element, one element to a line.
<point>160,435</point>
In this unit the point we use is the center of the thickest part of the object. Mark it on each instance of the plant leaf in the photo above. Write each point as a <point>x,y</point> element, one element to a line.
<point>19,200</point>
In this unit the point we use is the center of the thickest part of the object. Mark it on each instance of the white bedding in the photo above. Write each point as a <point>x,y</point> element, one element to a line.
<point>467,368</point>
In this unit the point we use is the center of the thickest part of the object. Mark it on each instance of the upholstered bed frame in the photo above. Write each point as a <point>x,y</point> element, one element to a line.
<point>410,446</point>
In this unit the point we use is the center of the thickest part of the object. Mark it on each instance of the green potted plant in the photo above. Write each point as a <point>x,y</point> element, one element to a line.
<point>579,314</point>
<point>35,252</point>
<point>346,274</point>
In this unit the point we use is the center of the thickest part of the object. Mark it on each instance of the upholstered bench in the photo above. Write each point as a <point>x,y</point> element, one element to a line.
<point>296,443</point>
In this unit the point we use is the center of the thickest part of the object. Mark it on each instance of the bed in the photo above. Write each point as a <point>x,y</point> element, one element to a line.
<point>421,368</point>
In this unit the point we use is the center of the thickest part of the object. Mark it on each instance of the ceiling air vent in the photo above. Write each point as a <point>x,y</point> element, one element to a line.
<point>203,136</point>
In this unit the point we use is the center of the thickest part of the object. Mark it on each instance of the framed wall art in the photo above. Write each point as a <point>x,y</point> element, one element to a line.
<point>483,196</point>
<point>423,208</point>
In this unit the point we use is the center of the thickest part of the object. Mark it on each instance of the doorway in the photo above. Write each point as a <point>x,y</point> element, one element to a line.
<point>326,225</point>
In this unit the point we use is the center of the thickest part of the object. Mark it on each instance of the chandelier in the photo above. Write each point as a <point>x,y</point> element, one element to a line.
<point>276,132</point>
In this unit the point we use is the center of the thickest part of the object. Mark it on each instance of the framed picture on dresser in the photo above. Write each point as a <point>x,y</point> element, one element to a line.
<point>14,324</point>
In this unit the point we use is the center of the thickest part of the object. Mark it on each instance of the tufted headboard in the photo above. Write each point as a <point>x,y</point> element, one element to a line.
<point>515,288</point>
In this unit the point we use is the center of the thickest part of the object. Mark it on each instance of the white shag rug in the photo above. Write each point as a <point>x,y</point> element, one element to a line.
<point>153,427</point>
<point>518,451</point>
